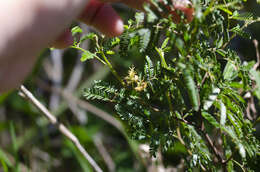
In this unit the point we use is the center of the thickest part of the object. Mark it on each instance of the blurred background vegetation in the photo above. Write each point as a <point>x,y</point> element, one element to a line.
<point>29,143</point>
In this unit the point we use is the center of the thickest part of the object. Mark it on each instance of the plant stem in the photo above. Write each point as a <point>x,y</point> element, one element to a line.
<point>111,68</point>
<point>83,50</point>
<point>239,165</point>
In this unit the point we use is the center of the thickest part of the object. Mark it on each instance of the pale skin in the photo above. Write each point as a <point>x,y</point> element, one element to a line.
<point>28,26</point>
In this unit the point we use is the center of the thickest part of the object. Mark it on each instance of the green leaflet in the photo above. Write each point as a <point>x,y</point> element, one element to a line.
<point>211,99</point>
<point>226,10</point>
<point>165,42</point>
<point>239,31</point>
<point>161,54</point>
<point>149,68</point>
<point>139,17</point>
<point>191,89</point>
<point>256,75</point>
<point>90,36</point>
<point>101,91</point>
<point>242,16</point>
<point>210,119</point>
<point>87,55</point>
<point>145,36</point>
<point>230,71</point>
<point>75,30</point>
<point>4,158</point>
<point>223,113</point>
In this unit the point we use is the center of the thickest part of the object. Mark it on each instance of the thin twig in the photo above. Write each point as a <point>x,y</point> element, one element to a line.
<point>241,166</point>
<point>56,77</point>
<point>111,68</point>
<point>257,54</point>
<point>210,142</point>
<point>53,120</point>
<point>215,150</point>
<point>230,158</point>
<point>182,141</point>
<point>203,80</point>
<point>207,137</point>
<point>104,153</point>
<point>78,69</point>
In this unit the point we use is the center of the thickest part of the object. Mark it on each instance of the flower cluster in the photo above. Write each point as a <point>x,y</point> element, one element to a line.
<point>134,80</point>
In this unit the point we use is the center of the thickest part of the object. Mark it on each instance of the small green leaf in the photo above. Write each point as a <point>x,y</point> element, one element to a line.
<point>221,52</point>
<point>110,52</point>
<point>223,113</point>
<point>256,75</point>
<point>165,42</point>
<point>239,31</point>
<point>151,16</point>
<point>4,166</point>
<point>231,133</point>
<point>139,17</point>
<point>236,124</point>
<point>145,36</point>
<point>179,44</point>
<point>242,16</point>
<point>219,42</point>
<point>149,70</point>
<point>230,71</point>
<point>76,30</point>
<point>230,166</point>
<point>86,55</point>
<point>4,158</point>
<point>91,36</point>
<point>115,41</point>
<point>192,89</point>
<point>242,150</point>
<point>226,10</point>
<point>210,119</point>
<point>161,54</point>
<point>211,99</point>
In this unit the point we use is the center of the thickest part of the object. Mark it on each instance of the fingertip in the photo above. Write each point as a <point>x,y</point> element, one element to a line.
<point>119,28</point>
<point>103,17</point>
<point>184,6</point>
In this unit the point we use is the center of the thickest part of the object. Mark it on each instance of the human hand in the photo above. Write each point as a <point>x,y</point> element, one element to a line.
<point>32,25</point>
<point>101,15</point>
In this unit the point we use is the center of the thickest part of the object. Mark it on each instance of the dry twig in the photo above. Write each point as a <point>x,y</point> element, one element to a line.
<point>53,120</point>
<point>257,54</point>
<point>56,77</point>
<point>104,153</point>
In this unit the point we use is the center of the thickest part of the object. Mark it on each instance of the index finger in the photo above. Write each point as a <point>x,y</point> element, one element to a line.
<point>137,4</point>
<point>183,5</point>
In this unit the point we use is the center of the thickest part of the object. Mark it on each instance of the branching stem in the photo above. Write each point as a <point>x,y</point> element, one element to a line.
<point>111,68</point>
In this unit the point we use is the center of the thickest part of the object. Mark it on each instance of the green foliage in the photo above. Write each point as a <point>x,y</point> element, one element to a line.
<point>86,56</point>
<point>190,88</point>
